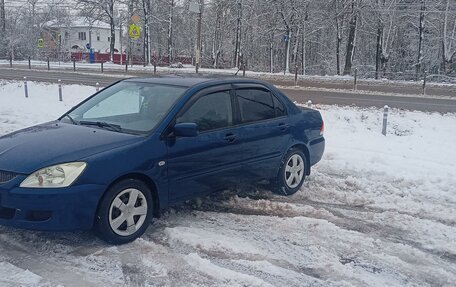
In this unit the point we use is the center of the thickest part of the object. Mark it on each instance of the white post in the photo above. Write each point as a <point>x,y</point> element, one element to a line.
<point>25,87</point>
<point>309,103</point>
<point>385,119</point>
<point>60,90</point>
<point>97,87</point>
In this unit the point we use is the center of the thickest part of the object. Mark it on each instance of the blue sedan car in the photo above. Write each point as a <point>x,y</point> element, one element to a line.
<point>112,162</point>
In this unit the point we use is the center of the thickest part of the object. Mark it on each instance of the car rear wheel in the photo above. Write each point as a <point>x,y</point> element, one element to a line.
<point>291,174</point>
<point>124,212</point>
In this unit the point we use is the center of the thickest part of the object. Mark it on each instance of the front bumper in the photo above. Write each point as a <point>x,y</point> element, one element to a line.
<point>49,209</point>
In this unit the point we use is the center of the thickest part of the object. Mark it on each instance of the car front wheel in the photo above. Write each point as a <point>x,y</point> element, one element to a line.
<point>292,173</point>
<point>124,212</point>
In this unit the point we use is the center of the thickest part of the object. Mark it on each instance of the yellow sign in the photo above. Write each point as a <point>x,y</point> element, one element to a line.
<point>135,31</point>
<point>40,43</point>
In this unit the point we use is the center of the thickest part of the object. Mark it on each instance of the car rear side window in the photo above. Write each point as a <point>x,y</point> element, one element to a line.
<point>255,105</point>
<point>210,112</point>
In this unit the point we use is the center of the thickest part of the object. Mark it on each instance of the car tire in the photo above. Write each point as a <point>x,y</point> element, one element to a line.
<point>125,212</point>
<point>291,174</point>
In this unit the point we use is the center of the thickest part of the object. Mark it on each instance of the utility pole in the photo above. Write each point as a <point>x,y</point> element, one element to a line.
<point>198,41</point>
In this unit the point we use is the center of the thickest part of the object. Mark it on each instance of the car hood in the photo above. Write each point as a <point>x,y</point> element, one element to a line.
<point>28,150</point>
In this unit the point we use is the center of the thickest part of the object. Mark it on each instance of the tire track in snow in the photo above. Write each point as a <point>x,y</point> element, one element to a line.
<point>25,258</point>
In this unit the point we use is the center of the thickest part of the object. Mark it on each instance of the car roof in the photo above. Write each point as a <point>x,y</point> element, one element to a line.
<point>189,80</point>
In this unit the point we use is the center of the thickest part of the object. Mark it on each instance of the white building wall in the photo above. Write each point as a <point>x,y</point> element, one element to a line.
<point>98,37</point>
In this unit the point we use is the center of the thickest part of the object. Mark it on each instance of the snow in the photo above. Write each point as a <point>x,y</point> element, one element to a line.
<point>376,211</point>
<point>14,275</point>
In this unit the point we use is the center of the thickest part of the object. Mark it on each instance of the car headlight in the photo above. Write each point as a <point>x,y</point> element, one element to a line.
<point>60,175</point>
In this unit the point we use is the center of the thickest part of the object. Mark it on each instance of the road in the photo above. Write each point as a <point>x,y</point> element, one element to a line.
<point>337,97</point>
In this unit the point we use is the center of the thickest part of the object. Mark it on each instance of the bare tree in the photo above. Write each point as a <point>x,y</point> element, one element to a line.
<point>351,36</point>
<point>448,40</point>
<point>104,9</point>
<point>386,31</point>
<point>420,39</point>
<point>326,37</point>
<point>237,43</point>
<point>2,16</point>
<point>146,27</point>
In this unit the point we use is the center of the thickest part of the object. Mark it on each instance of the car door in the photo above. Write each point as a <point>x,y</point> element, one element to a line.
<point>211,160</point>
<point>264,129</point>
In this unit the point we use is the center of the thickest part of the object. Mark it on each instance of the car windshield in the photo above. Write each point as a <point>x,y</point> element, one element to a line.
<point>131,107</point>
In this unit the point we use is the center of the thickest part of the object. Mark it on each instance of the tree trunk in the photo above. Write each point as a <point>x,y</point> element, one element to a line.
<point>216,41</point>
<point>146,48</point>
<point>287,52</point>
<point>351,40</point>
<point>338,41</point>
<point>303,49</point>
<point>448,51</point>
<point>2,17</point>
<point>237,44</point>
<point>379,52</point>
<point>296,47</point>
<point>271,53</point>
<point>420,41</point>
<point>113,39</point>
<point>170,32</point>
<point>338,36</point>
<point>198,36</point>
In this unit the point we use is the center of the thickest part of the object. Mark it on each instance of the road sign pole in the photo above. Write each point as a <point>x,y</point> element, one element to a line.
<point>25,87</point>
<point>424,83</point>
<point>60,90</point>
<point>296,75</point>
<point>355,80</point>
<point>243,67</point>
<point>385,119</point>
<point>29,63</point>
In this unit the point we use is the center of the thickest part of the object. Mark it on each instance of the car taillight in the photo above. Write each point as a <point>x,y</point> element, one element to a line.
<point>322,129</point>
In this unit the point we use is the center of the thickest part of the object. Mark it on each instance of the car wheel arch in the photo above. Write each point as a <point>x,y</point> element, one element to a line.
<point>305,150</point>
<point>147,181</point>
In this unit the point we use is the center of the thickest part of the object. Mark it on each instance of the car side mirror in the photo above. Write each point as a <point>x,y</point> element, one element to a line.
<point>185,130</point>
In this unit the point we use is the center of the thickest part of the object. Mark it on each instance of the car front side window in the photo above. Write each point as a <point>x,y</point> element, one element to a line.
<point>210,112</point>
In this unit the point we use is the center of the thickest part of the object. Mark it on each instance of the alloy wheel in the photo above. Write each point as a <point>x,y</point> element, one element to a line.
<point>128,212</point>
<point>294,171</point>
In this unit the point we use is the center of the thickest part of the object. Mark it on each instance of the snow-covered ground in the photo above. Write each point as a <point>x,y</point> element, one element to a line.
<point>376,211</point>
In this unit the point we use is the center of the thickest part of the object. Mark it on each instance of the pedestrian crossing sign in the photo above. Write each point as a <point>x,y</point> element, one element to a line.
<point>134,31</point>
<point>41,43</point>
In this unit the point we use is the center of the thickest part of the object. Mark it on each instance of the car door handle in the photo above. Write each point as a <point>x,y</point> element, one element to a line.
<point>283,126</point>
<point>230,138</point>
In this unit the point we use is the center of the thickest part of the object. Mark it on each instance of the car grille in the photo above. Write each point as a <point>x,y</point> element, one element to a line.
<point>6,176</point>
